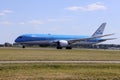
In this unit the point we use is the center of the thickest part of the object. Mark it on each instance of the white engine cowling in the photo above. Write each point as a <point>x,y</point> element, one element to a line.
<point>63,43</point>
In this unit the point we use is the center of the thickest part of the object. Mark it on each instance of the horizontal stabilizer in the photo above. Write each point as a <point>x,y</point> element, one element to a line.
<point>110,39</point>
<point>103,35</point>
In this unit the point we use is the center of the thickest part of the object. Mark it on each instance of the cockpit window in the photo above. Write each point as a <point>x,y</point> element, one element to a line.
<point>20,37</point>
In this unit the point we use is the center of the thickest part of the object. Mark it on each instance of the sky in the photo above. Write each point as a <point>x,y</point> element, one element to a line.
<point>76,17</point>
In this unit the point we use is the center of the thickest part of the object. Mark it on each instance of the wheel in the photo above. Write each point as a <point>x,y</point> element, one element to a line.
<point>58,47</point>
<point>69,47</point>
<point>23,46</point>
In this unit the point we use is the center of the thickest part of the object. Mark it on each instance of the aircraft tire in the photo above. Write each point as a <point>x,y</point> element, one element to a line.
<point>58,47</point>
<point>23,46</point>
<point>68,47</point>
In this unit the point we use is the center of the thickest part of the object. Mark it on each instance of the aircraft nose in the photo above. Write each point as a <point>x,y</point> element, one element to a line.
<point>19,39</point>
<point>16,40</point>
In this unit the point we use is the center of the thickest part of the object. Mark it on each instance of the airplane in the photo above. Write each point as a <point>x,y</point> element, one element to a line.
<point>62,41</point>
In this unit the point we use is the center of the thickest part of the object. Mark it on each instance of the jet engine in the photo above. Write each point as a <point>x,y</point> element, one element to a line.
<point>63,43</point>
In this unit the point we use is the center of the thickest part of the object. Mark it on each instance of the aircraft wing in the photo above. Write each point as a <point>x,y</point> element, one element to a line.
<point>85,39</point>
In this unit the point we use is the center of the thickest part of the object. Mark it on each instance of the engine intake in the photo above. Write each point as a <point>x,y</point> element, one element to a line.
<point>63,43</point>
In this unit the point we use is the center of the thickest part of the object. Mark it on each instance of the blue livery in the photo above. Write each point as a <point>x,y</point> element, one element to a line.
<point>62,40</point>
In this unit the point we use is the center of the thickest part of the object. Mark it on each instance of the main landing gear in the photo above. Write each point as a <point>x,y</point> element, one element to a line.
<point>59,47</point>
<point>69,47</point>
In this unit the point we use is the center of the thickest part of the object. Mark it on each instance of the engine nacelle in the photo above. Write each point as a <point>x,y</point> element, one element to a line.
<point>63,43</point>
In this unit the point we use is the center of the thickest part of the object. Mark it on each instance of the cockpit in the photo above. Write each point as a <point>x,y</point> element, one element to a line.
<point>19,39</point>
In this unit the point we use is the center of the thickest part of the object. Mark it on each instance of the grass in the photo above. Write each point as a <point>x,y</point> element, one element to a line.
<point>53,54</point>
<point>59,71</point>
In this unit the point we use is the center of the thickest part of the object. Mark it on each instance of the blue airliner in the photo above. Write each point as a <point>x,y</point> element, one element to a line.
<point>63,40</point>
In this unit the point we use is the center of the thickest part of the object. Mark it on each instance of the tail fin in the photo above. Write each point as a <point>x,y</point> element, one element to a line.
<point>100,30</point>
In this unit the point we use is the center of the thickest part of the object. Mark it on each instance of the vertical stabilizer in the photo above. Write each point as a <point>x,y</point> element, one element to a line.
<point>100,30</point>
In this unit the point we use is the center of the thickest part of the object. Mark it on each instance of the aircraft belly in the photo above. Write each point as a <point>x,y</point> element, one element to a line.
<point>35,42</point>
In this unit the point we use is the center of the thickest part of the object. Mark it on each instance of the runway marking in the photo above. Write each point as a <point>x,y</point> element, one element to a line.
<point>70,62</point>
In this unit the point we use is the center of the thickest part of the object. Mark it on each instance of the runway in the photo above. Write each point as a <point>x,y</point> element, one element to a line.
<point>67,62</point>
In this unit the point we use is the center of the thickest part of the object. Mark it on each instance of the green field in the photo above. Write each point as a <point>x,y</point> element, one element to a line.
<point>46,54</point>
<point>57,71</point>
<point>60,72</point>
